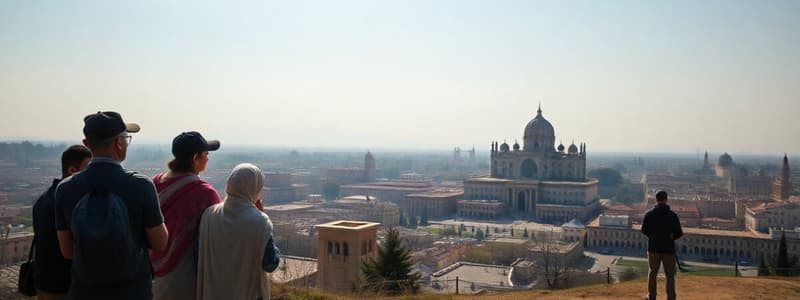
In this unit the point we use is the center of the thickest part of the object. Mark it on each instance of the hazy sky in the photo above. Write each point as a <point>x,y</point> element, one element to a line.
<point>618,75</point>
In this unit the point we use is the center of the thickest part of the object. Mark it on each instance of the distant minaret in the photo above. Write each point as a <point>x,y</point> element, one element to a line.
<point>472,154</point>
<point>369,167</point>
<point>706,165</point>
<point>782,187</point>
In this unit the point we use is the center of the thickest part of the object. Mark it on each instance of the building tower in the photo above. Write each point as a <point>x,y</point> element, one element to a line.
<point>369,167</point>
<point>342,246</point>
<point>782,187</point>
<point>706,165</point>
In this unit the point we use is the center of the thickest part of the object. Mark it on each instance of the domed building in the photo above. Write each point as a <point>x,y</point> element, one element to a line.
<point>538,180</point>
<point>725,166</point>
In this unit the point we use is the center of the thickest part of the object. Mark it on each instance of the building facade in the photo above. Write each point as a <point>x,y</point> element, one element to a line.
<point>435,203</point>
<point>538,180</point>
<point>343,247</point>
<point>391,190</point>
<point>14,247</point>
<point>782,187</point>
<point>724,166</point>
<point>481,209</point>
<point>696,243</point>
<point>776,214</point>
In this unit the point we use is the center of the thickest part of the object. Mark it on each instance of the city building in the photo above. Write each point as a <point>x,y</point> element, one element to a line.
<point>750,185</point>
<point>346,176</point>
<point>696,243</point>
<point>390,190</point>
<point>440,254</point>
<point>278,188</point>
<point>775,214</point>
<point>538,180</point>
<point>472,278</point>
<point>481,209</point>
<point>14,247</point>
<point>434,203</point>
<point>724,166</point>
<point>347,244</point>
<point>782,187</point>
<point>370,209</point>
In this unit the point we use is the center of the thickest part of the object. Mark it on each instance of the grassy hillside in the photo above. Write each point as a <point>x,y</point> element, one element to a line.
<point>688,287</point>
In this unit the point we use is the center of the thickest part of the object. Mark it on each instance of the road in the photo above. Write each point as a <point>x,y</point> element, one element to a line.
<point>603,261</point>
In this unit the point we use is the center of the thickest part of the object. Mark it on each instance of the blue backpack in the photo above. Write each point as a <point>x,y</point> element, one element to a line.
<point>105,251</point>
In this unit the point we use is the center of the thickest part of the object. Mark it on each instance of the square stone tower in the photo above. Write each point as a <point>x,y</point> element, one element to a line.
<point>341,248</point>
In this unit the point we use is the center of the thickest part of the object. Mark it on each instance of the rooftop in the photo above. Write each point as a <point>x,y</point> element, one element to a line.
<point>479,274</point>
<point>437,194</point>
<point>287,207</point>
<point>349,225</point>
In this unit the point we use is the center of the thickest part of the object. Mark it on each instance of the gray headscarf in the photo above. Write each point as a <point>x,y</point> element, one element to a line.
<point>233,236</point>
<point>245,182</point>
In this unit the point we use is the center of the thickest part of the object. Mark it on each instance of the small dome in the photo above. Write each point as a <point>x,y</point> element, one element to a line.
<point>725,160</point>
<point>560,147</point>
<point>573,148</point>
<point>516,146</point>
<point>504,147</point>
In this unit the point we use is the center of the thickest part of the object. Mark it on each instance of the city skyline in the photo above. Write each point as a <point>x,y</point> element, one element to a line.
<point>621,77</point>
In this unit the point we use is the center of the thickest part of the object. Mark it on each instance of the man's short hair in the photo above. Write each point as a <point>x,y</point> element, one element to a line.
<point>73,157</point>
<point>661,196</point>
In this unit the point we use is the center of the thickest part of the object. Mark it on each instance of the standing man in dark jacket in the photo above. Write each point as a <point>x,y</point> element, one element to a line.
<point>52,271</point>
<point>662,227</point>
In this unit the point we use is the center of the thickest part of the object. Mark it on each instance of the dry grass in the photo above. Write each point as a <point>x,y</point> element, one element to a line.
<point>688,287</point>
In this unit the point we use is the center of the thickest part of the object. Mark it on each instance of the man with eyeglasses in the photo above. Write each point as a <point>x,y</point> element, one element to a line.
<point>107,217</point>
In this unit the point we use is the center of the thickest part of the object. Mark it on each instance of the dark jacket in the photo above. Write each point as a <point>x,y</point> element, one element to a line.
<point>52,271</point>
<point>662,227</point>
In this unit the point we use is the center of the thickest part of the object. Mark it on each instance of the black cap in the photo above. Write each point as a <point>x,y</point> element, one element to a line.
<point>106,124</point>
<point>188,143</point>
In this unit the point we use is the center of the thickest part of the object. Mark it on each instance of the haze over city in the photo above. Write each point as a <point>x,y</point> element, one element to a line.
<point>627,76</point>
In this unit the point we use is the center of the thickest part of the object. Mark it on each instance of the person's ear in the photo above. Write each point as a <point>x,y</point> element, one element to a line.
<point>71,170</point>
<point>118,142</point>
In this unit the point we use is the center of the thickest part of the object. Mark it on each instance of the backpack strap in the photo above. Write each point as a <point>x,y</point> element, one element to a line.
<point>164,195</point>
<point>30,252</point>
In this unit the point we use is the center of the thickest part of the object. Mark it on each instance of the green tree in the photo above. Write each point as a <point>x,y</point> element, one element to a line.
<point>403,222</point>
<point>479,234</point>
<point>390,271</point>
<point>512,231</point>
<point>412,221</point>
<point>330,191</point>
<point>525,233</point>
<point>606,176</point>
<point>783,266</point>
<point>763,269</point>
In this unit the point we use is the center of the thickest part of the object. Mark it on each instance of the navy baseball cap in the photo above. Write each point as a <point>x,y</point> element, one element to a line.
<point>105,125</point>
<point>188,143</point>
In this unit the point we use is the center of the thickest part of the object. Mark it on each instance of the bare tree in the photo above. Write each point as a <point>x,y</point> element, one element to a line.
<point>553,265</point>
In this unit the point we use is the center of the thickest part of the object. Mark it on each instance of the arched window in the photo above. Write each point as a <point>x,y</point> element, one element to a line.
<point>363,247</point>
<point>337,249</point>
<point>330,248</point>
<point>346,249</point>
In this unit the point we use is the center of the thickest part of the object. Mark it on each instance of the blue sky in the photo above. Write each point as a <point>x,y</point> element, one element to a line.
<point>619,75</point>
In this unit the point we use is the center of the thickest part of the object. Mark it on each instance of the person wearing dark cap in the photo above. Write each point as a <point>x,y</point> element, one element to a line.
<point>52,270</point>
<point>107,217</point>
<point>662,227</point>
<point>183,197</point>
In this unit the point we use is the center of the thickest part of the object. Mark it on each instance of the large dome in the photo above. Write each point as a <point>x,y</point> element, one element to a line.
<point>539,134</point>
<point>725,160</point>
